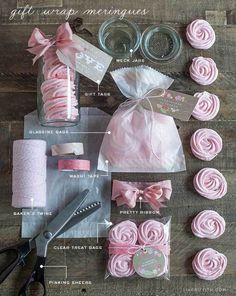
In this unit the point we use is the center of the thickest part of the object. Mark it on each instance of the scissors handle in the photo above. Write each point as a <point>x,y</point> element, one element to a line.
<point>37,276</point>
<point>13,263</point>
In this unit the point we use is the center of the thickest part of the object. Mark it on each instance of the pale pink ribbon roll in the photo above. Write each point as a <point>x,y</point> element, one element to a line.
<point>67,149</point>
<point>128,193</point>
<point>200,34</point>
<point>207,107</point>
<point>208,224</point>
<point>29,174</point>
<point>203,70</point>
<point>73,165</point>
<point>206,144</point>
<point>208,264</point>
<point>210,183</point>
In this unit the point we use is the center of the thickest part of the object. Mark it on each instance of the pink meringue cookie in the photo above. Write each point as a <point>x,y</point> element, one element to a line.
<point>58,89</point>
<point>121,265</point>
<point>152,232</point>
<point>208,224</point>
<point>200,34</point>
<point>125,232</point>
<point>203,70</point>
<point>206,144</point>
<point>207,107</point>
<point>210,183</point>
<point>208,264</point>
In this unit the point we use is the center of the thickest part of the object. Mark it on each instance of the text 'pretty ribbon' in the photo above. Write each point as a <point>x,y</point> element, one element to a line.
<point>39,43</point>
<point>127,193</point>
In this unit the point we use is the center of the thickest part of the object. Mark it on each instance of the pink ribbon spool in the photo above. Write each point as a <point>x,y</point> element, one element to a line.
<point>29,174</point>
<point>69,165</point>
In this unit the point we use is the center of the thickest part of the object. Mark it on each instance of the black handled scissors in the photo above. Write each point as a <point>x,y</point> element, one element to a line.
<point>68,217</point>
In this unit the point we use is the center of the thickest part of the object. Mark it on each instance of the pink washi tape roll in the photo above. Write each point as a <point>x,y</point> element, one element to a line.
<point>73,165</point>
<point>68,149</point>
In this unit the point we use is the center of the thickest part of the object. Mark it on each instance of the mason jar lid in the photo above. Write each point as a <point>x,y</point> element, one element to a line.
<point>161,44</point>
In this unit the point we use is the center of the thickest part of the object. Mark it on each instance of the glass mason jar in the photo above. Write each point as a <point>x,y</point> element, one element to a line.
<point>57,92</point>
<point>161,44</point>
<point>119,38</point>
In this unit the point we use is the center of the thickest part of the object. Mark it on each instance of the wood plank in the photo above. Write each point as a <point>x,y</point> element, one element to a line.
<point>231,17</point>
<point>39,4</point>
<point>186,286</point>
<point>18,97</point>
<point>17,61</point>
<point>169,11</point>
<point>216,18</point>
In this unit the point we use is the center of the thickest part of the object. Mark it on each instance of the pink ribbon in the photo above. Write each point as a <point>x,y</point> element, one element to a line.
<point>127,193</point>
<point>39,43</point>
<point>119,249</point>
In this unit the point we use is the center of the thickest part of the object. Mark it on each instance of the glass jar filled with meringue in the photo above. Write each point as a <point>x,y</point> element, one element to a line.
<point>57,92</point>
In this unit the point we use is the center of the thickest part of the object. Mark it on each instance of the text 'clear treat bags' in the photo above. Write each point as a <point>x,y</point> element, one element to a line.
<point>141,140</point>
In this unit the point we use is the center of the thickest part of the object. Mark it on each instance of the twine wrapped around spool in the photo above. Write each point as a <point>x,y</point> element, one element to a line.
<point>29,173</point>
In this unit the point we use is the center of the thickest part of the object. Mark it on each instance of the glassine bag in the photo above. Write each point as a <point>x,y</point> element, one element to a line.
<point>137,139</point>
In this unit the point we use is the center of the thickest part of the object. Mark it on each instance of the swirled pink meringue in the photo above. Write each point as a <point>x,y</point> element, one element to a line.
<point>210,183</point>
<point>207,107</point>
<point>208,224</point>
<point>206,144</point>
<point>125,232</point>
<point>200,34</point>
<point>152,232</point>
<point>208,264</point>
<point>121,265</point>
<point>203,70</point>
<point>58,89</point>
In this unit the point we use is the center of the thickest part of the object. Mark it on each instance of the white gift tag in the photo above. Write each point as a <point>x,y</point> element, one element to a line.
<point>92,62</point>
<point>149,262</point>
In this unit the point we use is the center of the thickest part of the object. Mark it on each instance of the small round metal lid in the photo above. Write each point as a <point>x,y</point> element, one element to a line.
<point>161,44</point>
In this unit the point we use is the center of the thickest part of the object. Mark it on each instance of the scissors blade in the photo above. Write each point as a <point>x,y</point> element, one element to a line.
<point>52,229</point>
<point>81,215</point>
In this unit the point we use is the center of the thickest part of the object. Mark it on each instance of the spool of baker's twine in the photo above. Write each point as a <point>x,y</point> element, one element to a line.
<point>29,174</point>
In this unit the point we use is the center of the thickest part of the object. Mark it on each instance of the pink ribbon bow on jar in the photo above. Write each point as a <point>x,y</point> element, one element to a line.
<point>39,43</point>
<point>127,193</point>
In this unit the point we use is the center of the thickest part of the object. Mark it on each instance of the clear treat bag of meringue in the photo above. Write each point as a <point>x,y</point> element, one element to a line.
<point>139,249</point>
<point>137,139</point>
